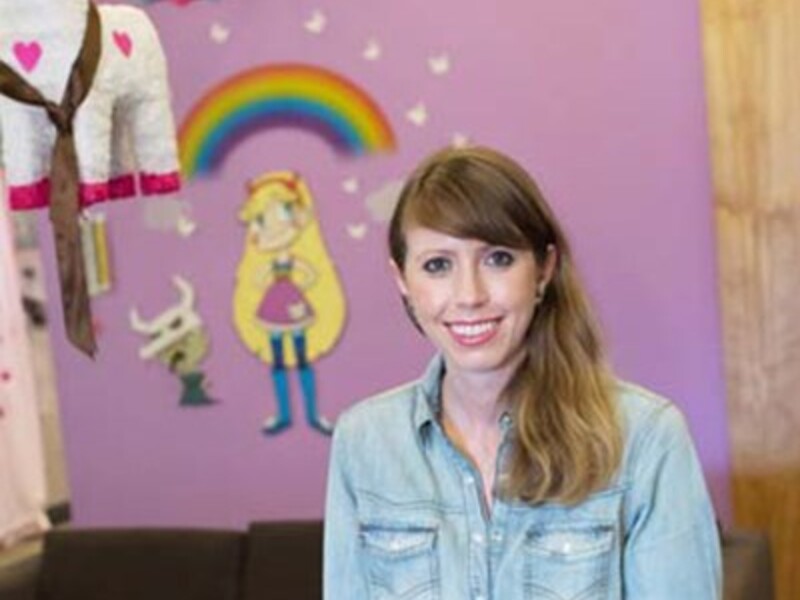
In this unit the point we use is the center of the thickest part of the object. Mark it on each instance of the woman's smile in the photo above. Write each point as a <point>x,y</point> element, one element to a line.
<point>474,333</point>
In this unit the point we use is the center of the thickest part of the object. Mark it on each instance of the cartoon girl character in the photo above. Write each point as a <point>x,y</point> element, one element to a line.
<point>289,308</point>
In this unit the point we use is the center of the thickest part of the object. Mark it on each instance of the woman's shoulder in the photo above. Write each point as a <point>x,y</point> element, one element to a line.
<point>638,402</point>
<point>649,419</point>
<point>387,407</point>
<point>403,404</point>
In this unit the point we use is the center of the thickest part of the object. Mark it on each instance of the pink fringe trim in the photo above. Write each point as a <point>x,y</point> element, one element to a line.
<point>114,189</point>
<point>160,184</point>
<point>37,195</point>
<point>28,197</point>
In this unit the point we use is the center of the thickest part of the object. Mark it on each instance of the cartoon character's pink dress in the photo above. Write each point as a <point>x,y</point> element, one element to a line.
<point>284,305</point>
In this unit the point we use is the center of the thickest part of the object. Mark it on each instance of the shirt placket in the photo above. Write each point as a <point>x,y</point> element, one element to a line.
<point>500,510</point>
<point>485,529</point>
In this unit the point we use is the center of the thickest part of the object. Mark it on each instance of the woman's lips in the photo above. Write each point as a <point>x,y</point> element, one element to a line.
<point>473,333</point>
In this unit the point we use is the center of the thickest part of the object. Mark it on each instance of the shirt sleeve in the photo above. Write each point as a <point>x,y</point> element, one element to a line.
<point>342,574</point>
<point>672,548</point>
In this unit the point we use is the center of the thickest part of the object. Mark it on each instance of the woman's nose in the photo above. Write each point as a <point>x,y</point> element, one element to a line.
<point>472,289</point>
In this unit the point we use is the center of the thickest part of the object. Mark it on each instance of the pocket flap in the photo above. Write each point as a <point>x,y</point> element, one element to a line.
<point>571,541</point>
<point>397,540</point>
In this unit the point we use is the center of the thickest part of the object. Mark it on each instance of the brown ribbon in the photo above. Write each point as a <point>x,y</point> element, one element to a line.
<point>65,179</point>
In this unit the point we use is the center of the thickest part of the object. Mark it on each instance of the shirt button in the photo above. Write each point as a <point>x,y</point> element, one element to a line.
<point>477,538</point>
<point>567,547</point>
<point>479,598</point>
<point>469,479</point>
<point>497,536</point>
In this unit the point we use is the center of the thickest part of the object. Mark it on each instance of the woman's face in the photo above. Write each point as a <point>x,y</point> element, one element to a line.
<point>473,300</point>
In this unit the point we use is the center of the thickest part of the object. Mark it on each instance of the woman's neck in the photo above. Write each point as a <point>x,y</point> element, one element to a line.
<point>472,402</point>
<point>472,407</point>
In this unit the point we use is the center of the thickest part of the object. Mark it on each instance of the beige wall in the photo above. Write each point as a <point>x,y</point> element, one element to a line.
<point>752,52</point>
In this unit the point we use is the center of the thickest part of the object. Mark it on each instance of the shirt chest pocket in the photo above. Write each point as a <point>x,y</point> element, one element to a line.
<point>568,561</point>
<point>401,562</point>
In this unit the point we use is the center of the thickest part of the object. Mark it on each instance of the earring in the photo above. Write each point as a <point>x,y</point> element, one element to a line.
<point>541,288</point>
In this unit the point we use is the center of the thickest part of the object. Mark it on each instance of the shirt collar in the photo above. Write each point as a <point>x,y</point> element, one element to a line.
<point>428,399</point>
<point>427,402</point>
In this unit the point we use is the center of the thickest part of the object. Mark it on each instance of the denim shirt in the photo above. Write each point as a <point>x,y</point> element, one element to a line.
<point>405,515</point>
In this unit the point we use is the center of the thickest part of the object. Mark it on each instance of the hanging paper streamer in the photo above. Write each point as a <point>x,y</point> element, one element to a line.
<point>94,239</point>
<point>297,96</point>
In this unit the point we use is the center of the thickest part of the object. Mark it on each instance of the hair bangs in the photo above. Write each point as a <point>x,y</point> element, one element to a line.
<point>449,207</point>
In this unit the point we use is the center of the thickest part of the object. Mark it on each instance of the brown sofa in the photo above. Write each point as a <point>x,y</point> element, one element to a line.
<point>271,561</point>
<point>747,564</point>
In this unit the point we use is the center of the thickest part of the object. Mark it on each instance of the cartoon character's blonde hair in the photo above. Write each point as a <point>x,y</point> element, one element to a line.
<point>325,294</point>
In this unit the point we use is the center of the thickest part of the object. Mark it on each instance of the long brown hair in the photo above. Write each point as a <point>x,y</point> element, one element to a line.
<point>568,440</point>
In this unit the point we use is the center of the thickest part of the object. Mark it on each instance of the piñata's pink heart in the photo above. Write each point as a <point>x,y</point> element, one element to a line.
<point>28,54</point>
<point>123,42</point>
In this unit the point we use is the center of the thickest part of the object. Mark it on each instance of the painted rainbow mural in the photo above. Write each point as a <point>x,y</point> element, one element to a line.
<point>297,96</point>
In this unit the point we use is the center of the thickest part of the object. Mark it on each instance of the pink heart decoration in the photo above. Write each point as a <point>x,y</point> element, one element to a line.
<point>28,54</point>
<point>124,43</point>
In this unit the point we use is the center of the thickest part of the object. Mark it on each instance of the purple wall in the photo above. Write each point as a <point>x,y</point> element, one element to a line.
<point>603,101</point>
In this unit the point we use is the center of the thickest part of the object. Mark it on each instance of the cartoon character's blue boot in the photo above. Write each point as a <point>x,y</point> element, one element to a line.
<point>309,386</point>
<point>283,418</point>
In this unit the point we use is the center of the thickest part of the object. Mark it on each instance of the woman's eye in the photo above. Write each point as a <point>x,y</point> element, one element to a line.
<point>436,265</point>
<point>500,258</point>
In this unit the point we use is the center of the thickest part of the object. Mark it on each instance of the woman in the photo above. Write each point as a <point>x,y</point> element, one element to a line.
<point>517,466</point>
